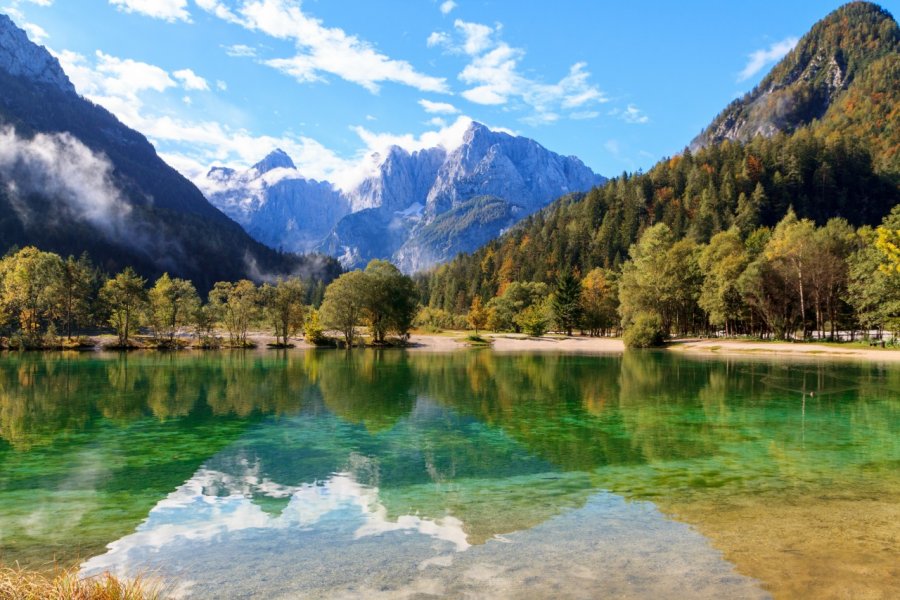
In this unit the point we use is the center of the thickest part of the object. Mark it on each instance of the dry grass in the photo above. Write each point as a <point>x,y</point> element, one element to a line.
<point>17,583</point>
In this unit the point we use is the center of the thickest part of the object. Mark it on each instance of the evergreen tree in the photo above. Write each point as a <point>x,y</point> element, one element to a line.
<point>566,302</point>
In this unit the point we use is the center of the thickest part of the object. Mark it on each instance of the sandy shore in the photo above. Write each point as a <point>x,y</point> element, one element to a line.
<point>520,343</point>
<point>808,350</point>
<point>450,341</point>
<point>502,342</point>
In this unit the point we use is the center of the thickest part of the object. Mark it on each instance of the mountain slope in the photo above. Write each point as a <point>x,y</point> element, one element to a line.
<point>812,83</point>
<point>136,210</point>
<point>844,164</point>
<point>405,209</point>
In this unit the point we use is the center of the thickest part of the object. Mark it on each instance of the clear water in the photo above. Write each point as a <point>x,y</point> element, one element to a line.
<point>390,474</point>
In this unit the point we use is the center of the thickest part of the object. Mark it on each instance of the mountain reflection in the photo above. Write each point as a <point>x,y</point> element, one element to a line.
<point>498,443</point>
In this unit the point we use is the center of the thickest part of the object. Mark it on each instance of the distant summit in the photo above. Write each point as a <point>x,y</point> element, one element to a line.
<point>277,159</point>
<point>417,208</point>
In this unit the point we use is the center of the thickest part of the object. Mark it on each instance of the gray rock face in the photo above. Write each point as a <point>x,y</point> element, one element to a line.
<point>275,204</point>
<point>417,209</point>
<point>497,164</point>
<point>401,177</point>
<point>777,107</point>
<point>22,58</point>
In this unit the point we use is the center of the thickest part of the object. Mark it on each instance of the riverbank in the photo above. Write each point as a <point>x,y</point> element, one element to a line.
<point>793,349</point>
<point>450,341</point>
<point>503,342</point>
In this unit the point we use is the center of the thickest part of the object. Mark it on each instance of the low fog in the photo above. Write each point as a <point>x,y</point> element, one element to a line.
<point>60,167</point>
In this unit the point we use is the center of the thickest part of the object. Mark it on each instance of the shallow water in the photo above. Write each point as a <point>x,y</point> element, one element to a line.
<point>468,474</point>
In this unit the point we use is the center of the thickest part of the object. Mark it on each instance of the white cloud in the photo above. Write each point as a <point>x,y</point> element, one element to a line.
<point>760,59</point>
<point>221,86</point>
<point>321,50</point>
<point>437,38</point>
<point>218,9</point>
<point>438,108</point>
<point>240,50</point>
<point>476,37</point>
<point>447,6</point>
<point>437,122</point>
<point>449,137</point>
<point>113,80</point>
<point>631,114</point>
<point>190,146</point>
<point>168,10</point>
<point>36,33</point>
<point>191,81</point>
<point>494,77</point>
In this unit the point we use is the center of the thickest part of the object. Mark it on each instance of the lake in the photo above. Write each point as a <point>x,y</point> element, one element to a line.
<point>394,474</point>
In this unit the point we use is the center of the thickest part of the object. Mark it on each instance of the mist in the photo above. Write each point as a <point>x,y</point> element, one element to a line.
<point>58,166</point>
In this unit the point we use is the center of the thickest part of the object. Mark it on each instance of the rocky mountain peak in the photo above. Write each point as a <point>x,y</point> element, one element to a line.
<point>416,207</point>
<point>22,58</point>
<point>277,159</point>
<point>811,78</point>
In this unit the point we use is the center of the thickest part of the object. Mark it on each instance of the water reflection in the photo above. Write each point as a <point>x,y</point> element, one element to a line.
<point>463,449</point>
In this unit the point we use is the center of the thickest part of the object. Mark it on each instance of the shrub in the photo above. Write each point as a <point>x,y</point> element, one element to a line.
<point>313,330</point>
<point>644,332</point>
<point>436,320</point>
<point>533,320</point>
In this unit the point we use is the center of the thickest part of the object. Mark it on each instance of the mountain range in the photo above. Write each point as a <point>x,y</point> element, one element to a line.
<point>416,208</point>
<point>74,179</point>
<point>819,133</point>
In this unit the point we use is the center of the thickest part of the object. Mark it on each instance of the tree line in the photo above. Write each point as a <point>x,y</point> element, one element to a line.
<point>793,280</point>
<point>47,301</point>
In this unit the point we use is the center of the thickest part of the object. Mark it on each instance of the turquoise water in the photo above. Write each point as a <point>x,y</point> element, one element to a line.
<point>330,474</point>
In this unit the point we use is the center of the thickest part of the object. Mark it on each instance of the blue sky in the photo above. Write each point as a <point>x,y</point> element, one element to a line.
<point>619,85</point>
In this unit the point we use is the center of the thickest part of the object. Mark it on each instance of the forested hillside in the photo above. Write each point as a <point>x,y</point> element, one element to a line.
<point>844,165</point>
<point>838,70</point>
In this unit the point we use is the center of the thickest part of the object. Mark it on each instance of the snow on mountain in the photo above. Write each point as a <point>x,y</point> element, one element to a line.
<point>417,208</point>
<point>275,203</point>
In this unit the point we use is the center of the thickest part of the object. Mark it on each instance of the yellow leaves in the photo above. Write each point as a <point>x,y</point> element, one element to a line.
<point>888,242</point>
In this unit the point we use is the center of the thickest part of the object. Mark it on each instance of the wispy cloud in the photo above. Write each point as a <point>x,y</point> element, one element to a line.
<point>447,6</point>
<point>168,10</point>
<point>36,33</point>
<point>438,108</point>
<point>764,57</point>
<point>191,81</point>
<point>122,86</point>
<point>631,114</point>
<point>240,50</point>
<point>321,50</point>
<point>494,77</point>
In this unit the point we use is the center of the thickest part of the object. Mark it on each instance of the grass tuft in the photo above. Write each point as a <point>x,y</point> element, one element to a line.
<point>17,583</point>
